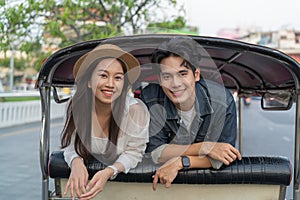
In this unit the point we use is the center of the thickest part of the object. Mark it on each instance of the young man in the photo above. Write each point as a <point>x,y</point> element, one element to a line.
<point>193,121</point>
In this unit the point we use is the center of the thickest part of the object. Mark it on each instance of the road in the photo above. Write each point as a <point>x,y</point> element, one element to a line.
<point>268,133</point>
<point>271,133</point>
<point>19,160</point>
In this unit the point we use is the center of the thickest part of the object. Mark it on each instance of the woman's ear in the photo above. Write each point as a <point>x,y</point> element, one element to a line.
<point>89,85</point>
<point>197,74</point>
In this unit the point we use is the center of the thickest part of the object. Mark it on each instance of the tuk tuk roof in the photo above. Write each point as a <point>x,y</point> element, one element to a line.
<point>250,69</point>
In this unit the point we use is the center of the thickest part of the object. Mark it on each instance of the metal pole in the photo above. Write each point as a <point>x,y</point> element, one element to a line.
<point>296,189</point>
<point>240,123</point>
<point>11,79</point>
<point>45,139</point>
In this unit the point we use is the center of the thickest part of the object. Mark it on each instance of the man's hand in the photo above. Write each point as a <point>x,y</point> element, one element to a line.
<point>223,152</point>
<point>167,172</point>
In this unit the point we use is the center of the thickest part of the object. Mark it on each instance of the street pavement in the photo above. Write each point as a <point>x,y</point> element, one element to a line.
<point>264,133</point>
<point>20,172</point>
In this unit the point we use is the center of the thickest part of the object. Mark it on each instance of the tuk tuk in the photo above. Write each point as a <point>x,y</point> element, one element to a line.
<point>249,70</point>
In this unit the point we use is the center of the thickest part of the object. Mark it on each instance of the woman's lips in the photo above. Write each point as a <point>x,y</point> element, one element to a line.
<point>108,93</point>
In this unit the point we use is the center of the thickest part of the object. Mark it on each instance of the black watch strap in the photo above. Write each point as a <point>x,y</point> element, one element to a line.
<point>185,162</point>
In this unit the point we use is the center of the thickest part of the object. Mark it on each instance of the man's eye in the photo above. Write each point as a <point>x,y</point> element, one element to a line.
<point>166,77</point>
<point>182,74</point>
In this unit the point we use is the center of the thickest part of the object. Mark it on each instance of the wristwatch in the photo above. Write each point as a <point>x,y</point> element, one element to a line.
<point>185,162</point>
<point>115,172</point>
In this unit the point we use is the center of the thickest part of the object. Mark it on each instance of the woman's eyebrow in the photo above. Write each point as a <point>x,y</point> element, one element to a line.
<point>103,70</point>
<point>120,73</point>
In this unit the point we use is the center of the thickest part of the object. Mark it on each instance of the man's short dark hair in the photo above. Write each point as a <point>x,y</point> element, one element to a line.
<point>183,47</point>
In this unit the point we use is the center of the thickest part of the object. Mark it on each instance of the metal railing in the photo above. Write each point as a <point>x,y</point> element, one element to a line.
<point>16,113</point>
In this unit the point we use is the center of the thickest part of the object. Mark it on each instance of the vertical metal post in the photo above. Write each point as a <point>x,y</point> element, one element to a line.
<point>240,119</point>
<point>296,189</point>
<point>44,139</point>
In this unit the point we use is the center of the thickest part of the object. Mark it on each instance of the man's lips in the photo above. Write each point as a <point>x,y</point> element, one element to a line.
<point>177,93</point>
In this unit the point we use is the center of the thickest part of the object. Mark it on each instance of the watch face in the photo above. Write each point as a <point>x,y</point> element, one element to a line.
<point>185,162</point>
<point>115,173</point>
<point>113,176</point>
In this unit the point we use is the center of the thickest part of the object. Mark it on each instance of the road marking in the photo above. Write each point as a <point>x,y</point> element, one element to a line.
<point>19,132</point>
<point>286,139</point>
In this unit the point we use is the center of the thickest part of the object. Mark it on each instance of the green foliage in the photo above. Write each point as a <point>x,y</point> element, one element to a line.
<point>19,64</point>
<point>29,25</point>
<point>178,23</point>
<point>18,99</point>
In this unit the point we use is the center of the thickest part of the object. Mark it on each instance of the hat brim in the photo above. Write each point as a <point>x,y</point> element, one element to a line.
<point>131,63</point>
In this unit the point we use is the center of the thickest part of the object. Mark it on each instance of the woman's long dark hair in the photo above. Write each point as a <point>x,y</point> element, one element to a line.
<point>79,114</point>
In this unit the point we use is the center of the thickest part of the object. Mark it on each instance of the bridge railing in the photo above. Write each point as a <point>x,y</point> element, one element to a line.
<point>16,113</point>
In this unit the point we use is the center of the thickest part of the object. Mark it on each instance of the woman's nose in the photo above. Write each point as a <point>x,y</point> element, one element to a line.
<point>110,82</point>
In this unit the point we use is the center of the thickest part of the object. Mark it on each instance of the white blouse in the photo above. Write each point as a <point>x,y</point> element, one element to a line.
<point>132,138</point>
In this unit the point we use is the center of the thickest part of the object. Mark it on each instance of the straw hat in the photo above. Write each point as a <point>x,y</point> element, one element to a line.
<point>110,51</point>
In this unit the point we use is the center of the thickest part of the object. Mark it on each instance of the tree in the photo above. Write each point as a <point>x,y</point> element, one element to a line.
<point>19,28</point>
<point>64,22</point>
<point>17,24</point>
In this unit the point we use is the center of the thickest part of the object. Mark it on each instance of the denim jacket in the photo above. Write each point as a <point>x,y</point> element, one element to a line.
<point>215,118</point>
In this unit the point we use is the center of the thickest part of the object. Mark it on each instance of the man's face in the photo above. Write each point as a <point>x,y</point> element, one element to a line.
<point>178,82</point>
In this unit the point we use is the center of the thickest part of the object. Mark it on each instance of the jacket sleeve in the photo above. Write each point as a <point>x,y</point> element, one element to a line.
<point>223,122</point>
<point>157,133</point>
<point>229,132</point>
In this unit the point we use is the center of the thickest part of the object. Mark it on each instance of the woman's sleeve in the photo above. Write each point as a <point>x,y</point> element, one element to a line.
<point>70,153</point>
<point>137,132</point>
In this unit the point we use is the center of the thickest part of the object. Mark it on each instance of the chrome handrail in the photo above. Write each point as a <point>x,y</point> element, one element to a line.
<point>44,139</point>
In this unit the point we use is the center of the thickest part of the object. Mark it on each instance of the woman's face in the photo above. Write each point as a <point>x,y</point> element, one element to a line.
<point>107,80</point>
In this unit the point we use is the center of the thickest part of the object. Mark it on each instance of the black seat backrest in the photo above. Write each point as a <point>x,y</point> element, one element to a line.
<point>249,170</point>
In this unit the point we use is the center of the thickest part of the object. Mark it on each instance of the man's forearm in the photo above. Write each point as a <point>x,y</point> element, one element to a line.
<point>200,162</point>
<point>196,149</point>
<point>175,150</point>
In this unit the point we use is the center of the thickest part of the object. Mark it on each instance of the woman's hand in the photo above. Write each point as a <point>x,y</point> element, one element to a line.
<point>96,185</point>
<point>78,178</point>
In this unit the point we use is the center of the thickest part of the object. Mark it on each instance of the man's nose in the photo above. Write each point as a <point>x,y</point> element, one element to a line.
<point>176,81</point>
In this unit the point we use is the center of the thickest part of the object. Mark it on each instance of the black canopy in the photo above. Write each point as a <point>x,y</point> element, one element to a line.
<point>248,68</point>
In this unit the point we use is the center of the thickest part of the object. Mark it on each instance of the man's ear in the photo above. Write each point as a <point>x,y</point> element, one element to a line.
<point>197,74</point>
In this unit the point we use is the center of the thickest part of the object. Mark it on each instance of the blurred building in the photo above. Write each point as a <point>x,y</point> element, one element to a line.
<point>285,40</point>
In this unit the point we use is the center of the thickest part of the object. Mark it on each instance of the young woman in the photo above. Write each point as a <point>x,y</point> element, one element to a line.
<point>103,121</point>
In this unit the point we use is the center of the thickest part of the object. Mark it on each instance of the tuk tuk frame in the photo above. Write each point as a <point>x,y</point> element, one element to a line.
<point>45,84</point>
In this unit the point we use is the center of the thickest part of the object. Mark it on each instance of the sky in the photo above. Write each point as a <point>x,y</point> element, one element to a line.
<point>266,15</point>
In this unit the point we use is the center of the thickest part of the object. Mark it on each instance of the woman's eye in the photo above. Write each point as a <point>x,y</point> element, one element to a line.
<point>102,76</point>
<point>119,78</point>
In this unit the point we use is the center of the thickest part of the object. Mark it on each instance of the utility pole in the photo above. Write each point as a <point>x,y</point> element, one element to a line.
<point>12,55</point>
